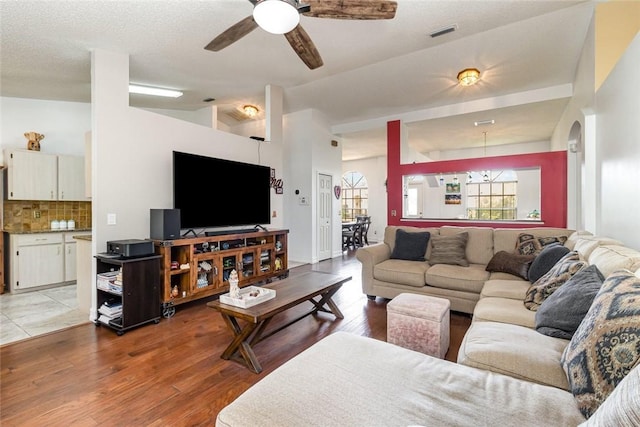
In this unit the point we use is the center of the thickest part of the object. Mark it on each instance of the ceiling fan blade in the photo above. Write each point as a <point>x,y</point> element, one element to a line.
<point>352,9</point>
<point>304,47</point>
<point>232,34</point>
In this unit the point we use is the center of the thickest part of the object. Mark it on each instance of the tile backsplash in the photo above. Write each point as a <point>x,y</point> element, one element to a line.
<point>22,215</point>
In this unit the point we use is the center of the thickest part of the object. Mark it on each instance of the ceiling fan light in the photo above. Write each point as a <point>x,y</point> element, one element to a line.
<point>469,76</point>
<point>276,16</point>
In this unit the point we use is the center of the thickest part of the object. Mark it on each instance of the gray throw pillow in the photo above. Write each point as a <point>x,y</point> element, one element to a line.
<point>546,259</point>
<point>449,249</point>
<point>560,315</point>
<point>410,246</point>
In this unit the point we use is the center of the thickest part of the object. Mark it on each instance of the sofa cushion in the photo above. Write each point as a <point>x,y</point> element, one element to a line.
<point>550,282</point>
<point>512,289</point>
<point>587,244</point>
<point>402,272</point>
<point>546,259</point>
<point>504,310</point>
<point>498,347</point>
<point>479,244</point>
<point>449,249</point>
<point>456,277</point>
<point>606,345</point>
<point>560,315</point>
<point>622,407</point>
<point>410,246</point>
<point>614,257</point>
<point>528,244</point>
<point>350,380</point>
<point>504,239</point>
<point>511,263</point>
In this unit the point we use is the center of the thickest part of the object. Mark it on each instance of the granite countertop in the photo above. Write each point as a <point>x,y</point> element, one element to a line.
<point>86,237</point>
<point>75,230</point>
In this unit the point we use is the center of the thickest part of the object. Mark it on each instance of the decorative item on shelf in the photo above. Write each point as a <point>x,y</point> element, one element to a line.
<point>175,265</point>
<point>278,263</point>
<point>534,214</point>
<point>234,290</point>
<point>278,245</point>
<point>33,139</point>
<point>175,291</point>
<point>184,266</point>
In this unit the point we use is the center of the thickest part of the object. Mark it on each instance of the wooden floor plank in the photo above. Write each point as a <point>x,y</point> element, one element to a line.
<point>170,373</point>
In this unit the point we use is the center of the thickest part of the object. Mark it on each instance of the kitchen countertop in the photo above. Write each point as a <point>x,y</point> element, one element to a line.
<point>75,230</point>
<point>86,237</point>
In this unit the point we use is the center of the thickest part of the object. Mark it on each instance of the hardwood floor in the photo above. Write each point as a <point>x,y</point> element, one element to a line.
<point>169,374</point>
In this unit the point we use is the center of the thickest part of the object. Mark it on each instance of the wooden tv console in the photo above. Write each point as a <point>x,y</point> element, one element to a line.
<point>201,265</point>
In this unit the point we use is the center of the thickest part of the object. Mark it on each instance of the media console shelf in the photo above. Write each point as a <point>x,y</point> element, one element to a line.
<point>199,267</point>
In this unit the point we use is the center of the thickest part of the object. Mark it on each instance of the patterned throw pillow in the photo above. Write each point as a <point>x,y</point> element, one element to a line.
<point>562,271</point>
<point>606,346</point>
<point>528,244</point>
<point>449,249</point>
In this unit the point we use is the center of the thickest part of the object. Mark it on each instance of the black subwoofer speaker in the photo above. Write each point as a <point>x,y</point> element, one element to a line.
<point>165,224</point>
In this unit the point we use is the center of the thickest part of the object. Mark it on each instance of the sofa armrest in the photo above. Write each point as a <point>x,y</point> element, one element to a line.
<point>370,256</point>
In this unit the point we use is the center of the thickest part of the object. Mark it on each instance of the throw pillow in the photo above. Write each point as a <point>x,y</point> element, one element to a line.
<point>528,244</point>
<point>560,315</point>
<point>505,262</point>
<point>606,346</point>
<point>410,246</point>
<point>542,288</point>
<point>546,259</point>
<point>449,249</point>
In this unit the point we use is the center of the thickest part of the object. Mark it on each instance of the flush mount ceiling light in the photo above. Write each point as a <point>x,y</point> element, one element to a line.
<point>155,91</point>
<point>276,16</point>
<point>469,76</point>
<point>250,110</point>
<point>484,122</point>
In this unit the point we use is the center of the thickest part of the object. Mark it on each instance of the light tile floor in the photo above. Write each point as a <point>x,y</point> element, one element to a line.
<point>35,313</point>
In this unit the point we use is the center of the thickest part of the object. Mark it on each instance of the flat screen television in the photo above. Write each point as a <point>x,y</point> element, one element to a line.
<point>213,192</point>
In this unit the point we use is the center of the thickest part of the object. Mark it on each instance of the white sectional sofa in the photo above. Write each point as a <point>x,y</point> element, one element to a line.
<point>507,373</point>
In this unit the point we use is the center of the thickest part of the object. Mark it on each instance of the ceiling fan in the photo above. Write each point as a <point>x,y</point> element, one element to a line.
<point>283,17</point>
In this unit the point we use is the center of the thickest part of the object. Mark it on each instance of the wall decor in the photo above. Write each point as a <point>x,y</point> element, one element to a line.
<point>453,187</point>
<point>336,191</point>
<point>452,199</point>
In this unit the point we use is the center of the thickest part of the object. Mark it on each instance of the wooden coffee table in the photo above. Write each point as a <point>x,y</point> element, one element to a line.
<point>314,286</point>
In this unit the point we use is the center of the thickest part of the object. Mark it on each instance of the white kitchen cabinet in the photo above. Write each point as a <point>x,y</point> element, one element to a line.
<point>71,178</point>
<point>31,175</point>
<point>36,260</point>
<point>70,256</point>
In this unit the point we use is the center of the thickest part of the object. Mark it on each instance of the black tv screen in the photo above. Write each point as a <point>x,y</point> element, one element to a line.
<point>213,192</point>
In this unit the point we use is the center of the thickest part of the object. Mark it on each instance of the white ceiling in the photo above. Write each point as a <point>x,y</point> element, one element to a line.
<point>373,70</point>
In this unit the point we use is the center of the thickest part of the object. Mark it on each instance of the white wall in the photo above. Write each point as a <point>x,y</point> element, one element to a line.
<point>375,171</point>
<point>618,134</point>
<point>63,124</point>
<point>132,155</point>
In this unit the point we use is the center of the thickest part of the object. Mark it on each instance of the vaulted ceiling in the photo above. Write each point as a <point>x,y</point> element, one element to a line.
<point>527,52</point>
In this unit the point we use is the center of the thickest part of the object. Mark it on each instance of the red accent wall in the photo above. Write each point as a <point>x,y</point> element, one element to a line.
<point>553,186</point>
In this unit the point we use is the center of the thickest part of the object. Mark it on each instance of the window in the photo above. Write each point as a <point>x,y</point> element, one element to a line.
<point>355,196</point>
<point>491,195</point>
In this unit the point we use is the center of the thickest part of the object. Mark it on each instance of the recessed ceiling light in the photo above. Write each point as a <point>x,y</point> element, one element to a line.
<point>155,91</point>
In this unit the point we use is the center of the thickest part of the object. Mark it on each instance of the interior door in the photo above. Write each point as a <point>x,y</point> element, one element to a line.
<point>324,217</point>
